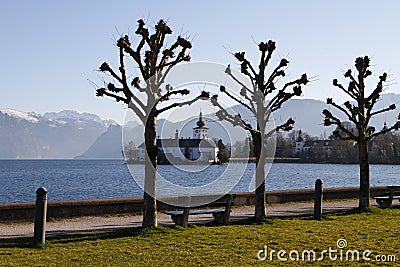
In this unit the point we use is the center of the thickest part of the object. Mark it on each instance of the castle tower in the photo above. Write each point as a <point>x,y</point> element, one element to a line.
<point>384,126</point>
<point>300,138</point>
<point>200,132</point>
<point>299,145</point>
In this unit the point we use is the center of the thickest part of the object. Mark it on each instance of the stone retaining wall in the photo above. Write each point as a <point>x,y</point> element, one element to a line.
<point>10,212</point>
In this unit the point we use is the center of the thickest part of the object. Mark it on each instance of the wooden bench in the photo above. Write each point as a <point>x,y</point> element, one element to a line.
<point>386,201</point>
<point>220,209</point>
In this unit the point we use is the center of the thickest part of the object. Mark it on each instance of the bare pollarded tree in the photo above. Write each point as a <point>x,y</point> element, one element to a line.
<point>359,112</point>
<point>261,99</point>
<point>154,60</point>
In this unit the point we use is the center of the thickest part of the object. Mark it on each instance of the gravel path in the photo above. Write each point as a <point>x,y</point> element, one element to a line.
<point>83,224</point>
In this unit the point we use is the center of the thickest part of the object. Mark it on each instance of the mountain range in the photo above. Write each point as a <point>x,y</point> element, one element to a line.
<point>72,134</point>
<point>64,134</point>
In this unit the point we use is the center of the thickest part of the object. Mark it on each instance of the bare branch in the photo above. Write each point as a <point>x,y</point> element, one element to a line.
<point>167,54</point>
<point>240,56</point>
<point>142,31</point>
<point>266,47</point>
<point>126,45</point>
<point>303,80</point>
<point>287,126</point>
<point>106,68</point>
<point>138,101</point>
<point>136,83</point>
<point>229,72</point>
<point>281,97</point>
<point>203,96</point>
<point>391,107</point>
<point>223,90</point>
<point>243,93</point>
<point>103,91</point>
<point>329,101</point>
<point>235,120</point>
<point>356,86</point>
<point>170,93</point>
<point>264,59</point>
<point>137,58</point>
<point>354,111</point>
<point>276,72</point>
<point>330,119</point>
<point>181,57</point>
<point>278,100</point>
<point>252,69</point>
<point>111,87</point>
<point>137,111</point>
<point>374,96</point>
<point>352,95</point>
<point>121,45</point>
<point>396,126</point>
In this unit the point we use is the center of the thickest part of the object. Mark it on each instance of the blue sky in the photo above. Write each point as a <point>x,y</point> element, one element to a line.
<point>50,49</point>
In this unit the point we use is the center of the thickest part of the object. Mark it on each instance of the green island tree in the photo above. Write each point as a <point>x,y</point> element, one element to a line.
<point>131,151</point>
<point>222,154</point>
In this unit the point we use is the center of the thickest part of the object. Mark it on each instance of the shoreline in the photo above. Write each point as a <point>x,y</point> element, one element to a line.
<point>232,160</point>
<point>25,211</point>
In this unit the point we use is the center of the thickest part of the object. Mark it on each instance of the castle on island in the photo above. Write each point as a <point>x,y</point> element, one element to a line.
<point>177,150</point>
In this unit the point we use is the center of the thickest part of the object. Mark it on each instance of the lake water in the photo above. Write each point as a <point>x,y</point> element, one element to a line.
<point>85,179</point>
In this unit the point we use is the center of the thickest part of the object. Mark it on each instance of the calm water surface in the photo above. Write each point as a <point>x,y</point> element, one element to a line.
<point>85,179</point>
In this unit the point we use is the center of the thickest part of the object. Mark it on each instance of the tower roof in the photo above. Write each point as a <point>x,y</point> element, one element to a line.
<point>200,123</point>
<point>300,138</point>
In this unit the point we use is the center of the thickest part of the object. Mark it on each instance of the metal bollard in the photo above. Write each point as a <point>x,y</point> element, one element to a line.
<point>39,236</point>
<point>318,199</point>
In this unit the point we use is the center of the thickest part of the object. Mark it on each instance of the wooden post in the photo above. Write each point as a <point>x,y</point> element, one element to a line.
<point>318,199</point>
<point>185,218</point>
<point>185,201</point>
<point>39,236</point>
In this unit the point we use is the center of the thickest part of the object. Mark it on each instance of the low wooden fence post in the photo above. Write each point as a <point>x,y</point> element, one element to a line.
<point>318,199</point>
<point>39,236</point>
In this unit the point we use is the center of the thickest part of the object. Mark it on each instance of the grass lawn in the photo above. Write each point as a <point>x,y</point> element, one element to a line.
<point>233,245</point>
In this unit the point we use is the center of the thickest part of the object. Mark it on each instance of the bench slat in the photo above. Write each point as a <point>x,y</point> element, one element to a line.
<point>193,212</point>
<point>387,197</point>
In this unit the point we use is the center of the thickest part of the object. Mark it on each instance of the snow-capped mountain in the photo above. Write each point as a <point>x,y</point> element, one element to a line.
<point>32,117</point>
<point>68,134</point>
<point>72,115</point>
<point>64,134</point>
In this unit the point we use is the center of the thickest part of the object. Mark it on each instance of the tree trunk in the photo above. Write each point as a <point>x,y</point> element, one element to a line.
<point>260,177</point>
<point>364,174</point>
<point>363,149</point>
<point>149,198</point>
<point>260,204</point>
